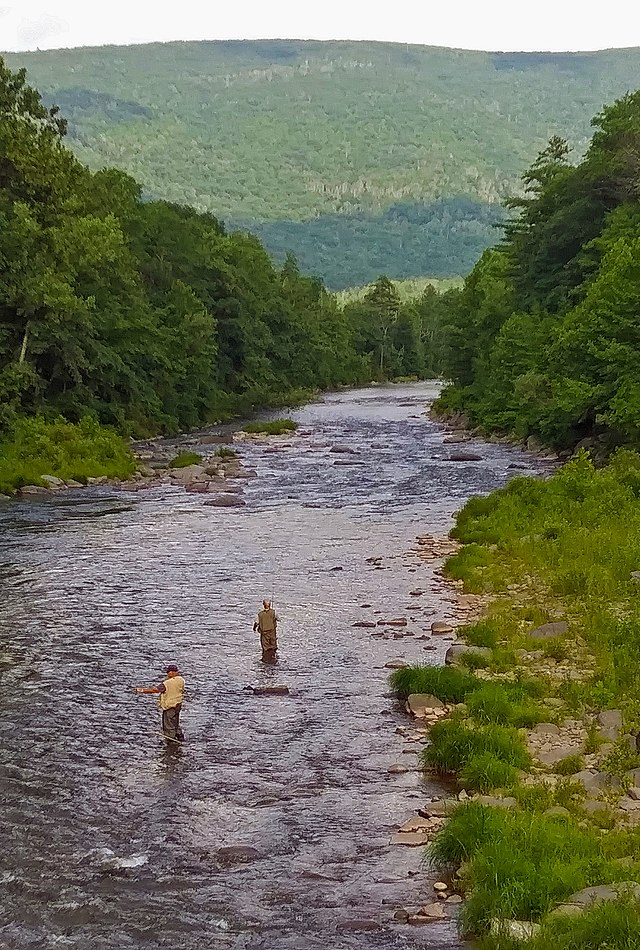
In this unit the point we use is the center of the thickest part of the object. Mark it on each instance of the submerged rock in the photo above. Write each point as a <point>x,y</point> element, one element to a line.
<point>225,501</point>
<point>237,854</point>
<point>270,690</point>
<point>465,457</point>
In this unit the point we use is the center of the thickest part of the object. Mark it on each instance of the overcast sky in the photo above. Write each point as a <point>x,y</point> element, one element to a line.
<point>469,24</point>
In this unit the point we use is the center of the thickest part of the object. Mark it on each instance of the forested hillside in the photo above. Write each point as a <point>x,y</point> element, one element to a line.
<point>544,338</point>
<point>363,158</point>
<point>150,317</point>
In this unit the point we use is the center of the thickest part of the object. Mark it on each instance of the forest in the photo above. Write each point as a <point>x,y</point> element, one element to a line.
<point>150,317</point>
<point>543,340</point>
<point>361,158</point>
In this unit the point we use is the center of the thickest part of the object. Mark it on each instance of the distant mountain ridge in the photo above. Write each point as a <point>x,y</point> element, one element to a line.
<point>317,142</point>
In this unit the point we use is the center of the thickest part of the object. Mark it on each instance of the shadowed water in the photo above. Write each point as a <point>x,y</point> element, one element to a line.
<point>110,840</point>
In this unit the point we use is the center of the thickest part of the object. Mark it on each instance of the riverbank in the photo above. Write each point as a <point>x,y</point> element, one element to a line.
<point>44,457</point>
<point>536,714</point>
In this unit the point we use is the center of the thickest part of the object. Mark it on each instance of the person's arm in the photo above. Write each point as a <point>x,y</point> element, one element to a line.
<point>150,689</point>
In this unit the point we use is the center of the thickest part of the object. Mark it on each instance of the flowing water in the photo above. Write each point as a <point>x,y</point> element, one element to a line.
<point>110,840</point>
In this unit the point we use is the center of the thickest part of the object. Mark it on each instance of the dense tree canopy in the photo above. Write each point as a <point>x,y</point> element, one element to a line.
<point>147,313</point>
<point>363,158</point>
<point>544,337</point>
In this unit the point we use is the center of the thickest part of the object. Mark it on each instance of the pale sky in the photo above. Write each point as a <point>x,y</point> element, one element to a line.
<point>467,24</point>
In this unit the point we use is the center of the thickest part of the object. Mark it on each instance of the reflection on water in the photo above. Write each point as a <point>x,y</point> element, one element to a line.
<point>108,838</point>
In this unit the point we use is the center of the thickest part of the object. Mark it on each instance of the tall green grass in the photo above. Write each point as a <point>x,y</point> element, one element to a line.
<point>35,447</point>
<point>567,546</point>
<point>519,865</point>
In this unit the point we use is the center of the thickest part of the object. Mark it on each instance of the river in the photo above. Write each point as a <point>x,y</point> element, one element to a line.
<point>109,840</point>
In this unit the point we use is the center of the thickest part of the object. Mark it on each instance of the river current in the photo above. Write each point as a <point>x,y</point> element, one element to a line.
<point>110,840</point>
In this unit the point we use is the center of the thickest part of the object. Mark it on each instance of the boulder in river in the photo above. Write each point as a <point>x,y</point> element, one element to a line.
<point>188,474</point>
<point>396,622</point>
<point>342,450</point>
<point>364,623</point>
<point>237,854</point>
<point>441,629</point>
<point>270,690</point>
<point>224,500</point>
<point>465,457</point>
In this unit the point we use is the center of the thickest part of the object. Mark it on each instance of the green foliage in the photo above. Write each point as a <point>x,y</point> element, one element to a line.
<point>569,765</point>
<point>543,338</point>
<point>146,314</point>
<point>276,427</point>
<point>519,864</point>
<point>183,459</point>
<point>225,453</point>
<point>473,661</point>
<point>446,682</point>
<point>36,447</point>
<point>454,744</point>
<point>365,158</point>
<point>612,925</point>
<point>507,704</point>
<point>484,772</point>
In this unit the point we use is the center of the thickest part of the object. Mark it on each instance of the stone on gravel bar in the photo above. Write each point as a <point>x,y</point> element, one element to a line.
<point>413,839</point>
<point>440,628</point>
<point>549,630</point>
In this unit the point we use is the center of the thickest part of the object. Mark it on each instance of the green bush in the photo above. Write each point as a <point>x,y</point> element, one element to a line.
<point>224,453</point>
<point>569,765</point>
<point>518,864</point>
<point>183,459</point>
<point>447,683</point>
<point>484,772</point>
<point>454,744</point>
<point>612,925</point>
<point>277,427</point>
<point>506,704</point>
<point>483,633</point>
<point>35,447</point>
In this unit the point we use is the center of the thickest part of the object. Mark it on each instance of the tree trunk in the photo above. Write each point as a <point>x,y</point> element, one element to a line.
<point>23,348</point>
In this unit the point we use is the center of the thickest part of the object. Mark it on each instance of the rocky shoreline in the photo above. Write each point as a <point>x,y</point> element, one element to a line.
<point>564,760</point>
<point>219,472</point>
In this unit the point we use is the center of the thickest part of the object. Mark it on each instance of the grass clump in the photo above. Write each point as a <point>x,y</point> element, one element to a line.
<point>483,633</point>
<point>183,459</point>
<point>518,865</point>
<point>569,765</point>
<point>454,744</point>
<point>474,661</point>
<point>276,427</point>
<point>508,704</point>
<point>224,453</point>
<point>484,772</point>
<point>612,925</point>
<point>35,447</point>
<point>447,683</point>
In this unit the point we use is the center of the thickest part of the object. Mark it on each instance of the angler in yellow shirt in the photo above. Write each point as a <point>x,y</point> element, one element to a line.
<point>171,696</point>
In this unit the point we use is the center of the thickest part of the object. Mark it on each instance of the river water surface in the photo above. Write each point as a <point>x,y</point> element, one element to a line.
<point>109,840</point>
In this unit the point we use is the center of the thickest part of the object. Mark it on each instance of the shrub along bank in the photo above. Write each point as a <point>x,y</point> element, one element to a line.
<point>549,725</point>
<point>36,447</point>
